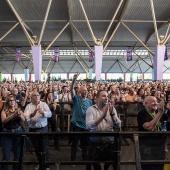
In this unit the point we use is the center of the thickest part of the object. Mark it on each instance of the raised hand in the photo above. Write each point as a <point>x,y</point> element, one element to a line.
<point>104,111</point>
<point>76,75</point>
<point>161,106</point>
<point>110,107</point>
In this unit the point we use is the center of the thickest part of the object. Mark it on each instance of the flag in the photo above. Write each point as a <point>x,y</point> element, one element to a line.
<point>166,54</point>
<point>56,54</point>
<point>18,54</point>
<point>129,53</point>
<point>91,57</point>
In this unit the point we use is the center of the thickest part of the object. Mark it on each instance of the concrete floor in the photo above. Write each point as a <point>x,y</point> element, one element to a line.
<point>127,153</point>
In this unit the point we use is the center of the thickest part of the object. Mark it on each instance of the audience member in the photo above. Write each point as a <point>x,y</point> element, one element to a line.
<point>131,97</point>
<point>80,105</point>
<point>11,116</point>
<point>36,114</point>
<point>149,120</point>
<point>52,104</point>
<point>102,117</point>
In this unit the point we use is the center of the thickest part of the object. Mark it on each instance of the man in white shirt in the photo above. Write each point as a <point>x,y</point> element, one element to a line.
<point>36,114</point>
<point>102,117</point>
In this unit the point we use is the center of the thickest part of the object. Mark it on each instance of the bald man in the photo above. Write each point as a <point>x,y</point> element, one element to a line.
<point>148,118</point>
<point>78,120</point>
<point>151,147</point>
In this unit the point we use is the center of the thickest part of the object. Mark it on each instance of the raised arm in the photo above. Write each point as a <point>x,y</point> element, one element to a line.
<point>73,84</point>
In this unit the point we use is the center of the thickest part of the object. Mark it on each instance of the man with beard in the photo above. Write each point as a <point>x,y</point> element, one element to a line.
<point>102,117</point>
<point>78,120</point>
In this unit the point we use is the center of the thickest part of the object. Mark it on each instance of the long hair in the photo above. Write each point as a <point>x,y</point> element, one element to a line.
<point>6,104</point>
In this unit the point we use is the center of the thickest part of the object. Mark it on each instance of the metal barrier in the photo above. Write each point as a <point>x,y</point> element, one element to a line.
<point>127,112</point>
<point>122,140</point>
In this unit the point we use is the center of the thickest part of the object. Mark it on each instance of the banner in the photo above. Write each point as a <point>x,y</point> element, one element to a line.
<point>129,53</point>
<point>166,54</point>
<point>18,54</point>
<point>91,57</point>
<point>56,54</point>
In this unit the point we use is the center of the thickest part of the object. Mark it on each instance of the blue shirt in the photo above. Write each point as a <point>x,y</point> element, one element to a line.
<point>80,107</point>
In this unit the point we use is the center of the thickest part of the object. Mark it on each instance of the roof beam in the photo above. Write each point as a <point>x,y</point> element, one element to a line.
<point>82,37</point>
<point>78,54</point>
<point>103,39</point>
<point>136,37</point>
<point>48,65</point>
<point>113,33</point>
<point>55,39</point>
<point>100,21</point>
<point>118,24</point>
<point>72,66</point>
<point>45,21</point>
<point>87,20</point>
<point>53,64</point>
<point>142,59</point>
<point>8,31</point>
<point>81,64</point>
<point>69,13</point>
<point>61,67</point>
<point>31,41</point>
<point>154,21</point>
<point>111,66</point>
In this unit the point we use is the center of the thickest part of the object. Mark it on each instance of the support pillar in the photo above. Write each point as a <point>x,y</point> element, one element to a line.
<point>158,62</point>
<point>87,75</point>
<point>30,77</point>
<point>68,76</point>
<point>12,78</point>
<point>105,76</point>
<point>26,72</point>
<point>131,77</point>
<point>124,77</point>
<point>37,62</point>
<point>98,61</point>
<point>0,76</point>
<point>90,73</point>
<point>143,77</point>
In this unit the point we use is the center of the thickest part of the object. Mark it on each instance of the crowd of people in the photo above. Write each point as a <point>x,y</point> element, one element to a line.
<point>93,110</point>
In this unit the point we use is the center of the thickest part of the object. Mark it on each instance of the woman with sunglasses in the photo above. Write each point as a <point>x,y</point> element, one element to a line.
<point>11,116</point>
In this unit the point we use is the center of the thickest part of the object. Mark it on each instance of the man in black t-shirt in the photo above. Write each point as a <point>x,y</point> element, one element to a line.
<point>152,147</point>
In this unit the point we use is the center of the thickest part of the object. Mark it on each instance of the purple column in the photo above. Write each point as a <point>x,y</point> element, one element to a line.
<point>37,62</point>
<point>158,62</point>
<point>98,61</point>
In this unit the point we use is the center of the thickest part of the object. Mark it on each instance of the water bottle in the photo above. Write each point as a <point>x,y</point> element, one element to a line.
<point>164,126</point>
<point>55,95</point>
